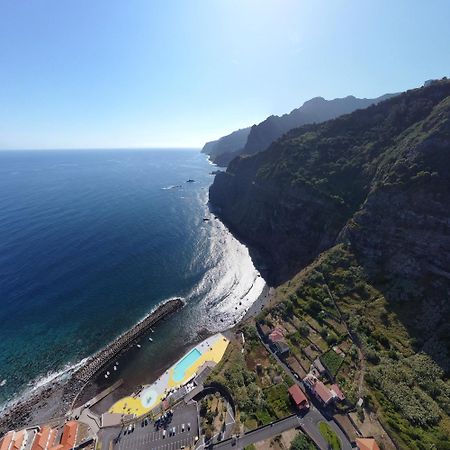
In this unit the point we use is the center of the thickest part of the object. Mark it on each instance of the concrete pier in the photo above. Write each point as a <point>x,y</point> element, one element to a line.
<point>125,340</point>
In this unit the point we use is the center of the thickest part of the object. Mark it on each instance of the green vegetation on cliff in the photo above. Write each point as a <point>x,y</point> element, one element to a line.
<point>406,389</point>
<point>255,381</point>
<point>257,138</point>
<point>369,192</point>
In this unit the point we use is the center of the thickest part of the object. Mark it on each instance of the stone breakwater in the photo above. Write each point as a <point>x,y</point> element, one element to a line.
<point>54,400</point>
<point>124,341</point>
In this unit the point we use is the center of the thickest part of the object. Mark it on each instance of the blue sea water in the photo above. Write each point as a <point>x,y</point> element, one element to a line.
<point>91,241</point>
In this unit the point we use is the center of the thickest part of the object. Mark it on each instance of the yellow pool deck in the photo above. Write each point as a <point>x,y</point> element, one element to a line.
<point>211,350</point>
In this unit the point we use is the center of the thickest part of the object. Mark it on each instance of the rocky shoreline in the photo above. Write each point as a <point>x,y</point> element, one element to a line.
<point>53,401</point>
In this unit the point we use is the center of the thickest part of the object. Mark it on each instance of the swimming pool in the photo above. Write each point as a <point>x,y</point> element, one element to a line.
<point>180,369</point>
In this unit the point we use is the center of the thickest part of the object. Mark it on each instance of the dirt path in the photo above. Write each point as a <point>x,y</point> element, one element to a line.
<point>354,339</point>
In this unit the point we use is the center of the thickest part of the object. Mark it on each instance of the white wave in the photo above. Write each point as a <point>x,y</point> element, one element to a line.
<point>173,186</point>
<point>230,285</point>
<point>40,383</point>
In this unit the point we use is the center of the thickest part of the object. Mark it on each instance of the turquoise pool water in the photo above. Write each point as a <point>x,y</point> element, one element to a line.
<point>181,368</point>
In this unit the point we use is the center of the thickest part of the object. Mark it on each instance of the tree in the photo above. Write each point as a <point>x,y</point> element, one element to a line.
<point>301,442</point>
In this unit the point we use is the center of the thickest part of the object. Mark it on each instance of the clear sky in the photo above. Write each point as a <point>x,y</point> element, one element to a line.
<point>146,73</point>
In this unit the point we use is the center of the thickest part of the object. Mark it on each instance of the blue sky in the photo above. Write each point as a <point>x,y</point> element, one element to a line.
<point>144,73</point>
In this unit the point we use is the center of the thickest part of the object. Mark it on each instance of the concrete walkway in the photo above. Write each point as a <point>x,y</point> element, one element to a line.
<point>211,350</point>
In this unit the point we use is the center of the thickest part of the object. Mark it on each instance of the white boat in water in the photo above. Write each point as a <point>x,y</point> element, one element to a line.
<point>138,345</point>
<point>3,382</point>
<point>150,339</point>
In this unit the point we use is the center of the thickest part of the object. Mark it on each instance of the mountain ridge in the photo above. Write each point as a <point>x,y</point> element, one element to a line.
<point>258,137</point>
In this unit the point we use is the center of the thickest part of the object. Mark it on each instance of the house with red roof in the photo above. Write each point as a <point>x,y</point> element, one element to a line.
<point>6,441</point>
<point>367,444</point>
<point>44,439</point>
<point>298,397</point>
<point>16,440</point>
<point>69,437</point>
<point>323,394</point>
<point>338,394</point>
<point>277,335</point>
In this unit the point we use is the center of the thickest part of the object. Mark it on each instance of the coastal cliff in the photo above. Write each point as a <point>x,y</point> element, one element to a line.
<point>377,180</point>
<point>355,213</point>
<point>226,145</point>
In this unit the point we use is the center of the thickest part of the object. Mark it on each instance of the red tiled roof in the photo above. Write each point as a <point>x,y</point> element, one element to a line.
<point>18,440</point>
<point>276,336</point>
<point>69,434</point>
<point>323,392</point>
<point>367,444</point>
<point>298,396</point>
<point>6,441</point>
<point>43,439</point>
<point>339,394</point>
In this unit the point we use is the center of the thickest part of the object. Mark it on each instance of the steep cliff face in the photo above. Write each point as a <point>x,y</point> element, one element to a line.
<point>401,234</point>
<point>362,204</point>
<point>377,178</point>
<point>287,225</point>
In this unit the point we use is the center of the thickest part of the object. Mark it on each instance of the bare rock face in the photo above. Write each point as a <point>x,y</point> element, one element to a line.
<point>286,227</point>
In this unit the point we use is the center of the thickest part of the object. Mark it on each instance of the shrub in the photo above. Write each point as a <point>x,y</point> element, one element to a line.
<point>332,361</point>
<point>313,307</point>
<point>330,436</point>
<point>303,329</point>
<point>302,442</point>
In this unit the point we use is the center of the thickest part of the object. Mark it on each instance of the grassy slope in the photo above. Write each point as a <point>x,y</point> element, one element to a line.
<point>259,399</point>
<point>405,388</point>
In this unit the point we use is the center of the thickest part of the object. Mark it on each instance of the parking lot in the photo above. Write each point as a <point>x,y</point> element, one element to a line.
<point>149,437</point>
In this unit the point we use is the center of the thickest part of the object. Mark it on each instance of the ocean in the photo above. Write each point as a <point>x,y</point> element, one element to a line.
<point>91,242</point>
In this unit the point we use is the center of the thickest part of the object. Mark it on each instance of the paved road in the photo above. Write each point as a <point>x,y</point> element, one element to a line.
<point>310,421</point>
<point>260,434</point>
